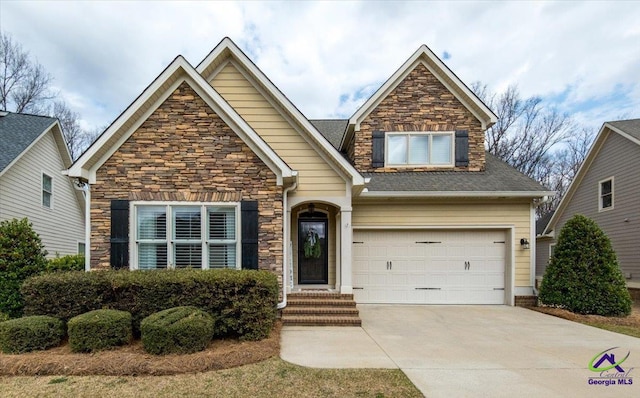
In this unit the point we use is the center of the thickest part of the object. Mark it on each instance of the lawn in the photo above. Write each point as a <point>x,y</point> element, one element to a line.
<point>629,325</point>
<point>228,368</point>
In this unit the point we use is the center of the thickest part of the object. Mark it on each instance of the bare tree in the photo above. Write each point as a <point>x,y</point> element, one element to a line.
<point>74,135</point>
<point>541,142</point>
<point>24,84</point>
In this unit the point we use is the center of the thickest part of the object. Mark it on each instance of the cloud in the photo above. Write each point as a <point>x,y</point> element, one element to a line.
<point>327,57</point>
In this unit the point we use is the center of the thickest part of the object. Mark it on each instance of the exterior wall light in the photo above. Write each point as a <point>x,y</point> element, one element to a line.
<point>524,243</point>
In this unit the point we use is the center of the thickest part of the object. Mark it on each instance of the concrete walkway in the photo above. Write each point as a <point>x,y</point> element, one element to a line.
<point>469,351</point>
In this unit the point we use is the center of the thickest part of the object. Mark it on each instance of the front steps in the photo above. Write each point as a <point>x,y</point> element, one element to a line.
<point>320,308</point>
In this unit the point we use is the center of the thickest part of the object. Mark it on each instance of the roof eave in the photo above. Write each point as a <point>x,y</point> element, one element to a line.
<point>456,194</point>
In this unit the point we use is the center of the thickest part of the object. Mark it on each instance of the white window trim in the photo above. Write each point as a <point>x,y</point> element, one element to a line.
<point>613,197</point>
<point>42,191</point>
<point>169,206</point>
<point>81,242</point>
<point>427,133</point>
<point>551,249</point>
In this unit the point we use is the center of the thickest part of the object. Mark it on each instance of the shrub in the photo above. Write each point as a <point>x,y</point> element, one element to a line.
<point>242,303</point>
<point>21,255</point>
<point>583,275</point>
<point>99,330</point>
<point>66,294</point>
<point>177,330</point>
<point>73,262</point>
<point>3,317</point>
<point>30,333</point>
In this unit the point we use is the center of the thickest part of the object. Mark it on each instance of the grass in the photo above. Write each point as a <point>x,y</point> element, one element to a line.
<point>271,378</point>
<point>629,325</point>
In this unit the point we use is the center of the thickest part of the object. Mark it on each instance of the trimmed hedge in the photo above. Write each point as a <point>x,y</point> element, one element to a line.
<point>242,302</point>
<point>30,334</point>
<point>99,330</point>
<point>74,262</point>
<point>3,316</point>
<point>179,330</point>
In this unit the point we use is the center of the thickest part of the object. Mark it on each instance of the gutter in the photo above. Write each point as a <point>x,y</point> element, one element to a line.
<point>285,246</point>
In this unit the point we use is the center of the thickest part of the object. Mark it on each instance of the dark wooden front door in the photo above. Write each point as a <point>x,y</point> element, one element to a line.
<point>313,265</point>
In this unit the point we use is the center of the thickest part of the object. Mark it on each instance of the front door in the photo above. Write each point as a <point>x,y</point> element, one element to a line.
<point>313,266</point>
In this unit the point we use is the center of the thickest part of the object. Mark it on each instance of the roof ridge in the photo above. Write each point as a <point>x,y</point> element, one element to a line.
<point>29,114</point>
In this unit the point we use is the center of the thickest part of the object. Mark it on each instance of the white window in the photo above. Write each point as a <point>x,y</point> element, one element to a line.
<point>420,149</point>
<point>47,190</point>
<point>605,194</point>
<point>196,236</point>
<point>552,248</point>
<point>81,248</point>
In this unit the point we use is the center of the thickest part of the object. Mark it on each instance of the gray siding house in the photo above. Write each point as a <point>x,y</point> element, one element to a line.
<point>606,189</point>
<point>33,155</point>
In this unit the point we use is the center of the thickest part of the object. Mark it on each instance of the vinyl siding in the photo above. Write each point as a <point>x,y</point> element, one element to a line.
<point>461,213</point>
<point>316,176</point>
<point>542,254</point>
<point>618,158</point>
<point>60,227</point>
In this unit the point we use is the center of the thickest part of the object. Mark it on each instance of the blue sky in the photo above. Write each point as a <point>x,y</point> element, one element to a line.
<point>327,57</point>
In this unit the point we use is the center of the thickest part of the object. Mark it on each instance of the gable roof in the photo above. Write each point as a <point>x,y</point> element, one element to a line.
<point>331,129</point>
<point>228,49</point>
<point>498,179</point>
<point>425,56</point>
<point>20,131</point>
<point>152,97</point>
<point>630,129</point>
<point>541,223</point>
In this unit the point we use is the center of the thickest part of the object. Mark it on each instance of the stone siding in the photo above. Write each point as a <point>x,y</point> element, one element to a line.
<point>184,151</point>
<point>419,103</point>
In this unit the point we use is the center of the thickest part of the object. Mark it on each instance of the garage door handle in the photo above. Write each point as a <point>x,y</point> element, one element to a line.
<point>498,288</point>
<point>357,288</point>
<point>428,242</point>
<point>428,288</point>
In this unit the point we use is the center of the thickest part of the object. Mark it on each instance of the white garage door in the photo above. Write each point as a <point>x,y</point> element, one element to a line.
<point>429,267</point>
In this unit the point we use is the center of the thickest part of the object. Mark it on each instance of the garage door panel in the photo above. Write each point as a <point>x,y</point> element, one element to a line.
<point>452,267</point>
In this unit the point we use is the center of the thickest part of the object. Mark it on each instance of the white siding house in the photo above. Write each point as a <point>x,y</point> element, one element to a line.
<point>33,155</point>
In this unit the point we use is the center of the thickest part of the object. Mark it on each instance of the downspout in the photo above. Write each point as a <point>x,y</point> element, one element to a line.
<point>84,186</point>
<point>285,244</point>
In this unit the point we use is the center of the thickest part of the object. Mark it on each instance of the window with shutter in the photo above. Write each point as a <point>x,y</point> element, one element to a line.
<point>177,235</point>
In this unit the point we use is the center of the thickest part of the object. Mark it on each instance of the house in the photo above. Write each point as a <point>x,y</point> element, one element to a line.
<point>33,155</point>
<point>606,189</point>
<point>214,167</point>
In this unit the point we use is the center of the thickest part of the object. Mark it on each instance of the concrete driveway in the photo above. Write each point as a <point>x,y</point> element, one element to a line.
<point>470,351</point>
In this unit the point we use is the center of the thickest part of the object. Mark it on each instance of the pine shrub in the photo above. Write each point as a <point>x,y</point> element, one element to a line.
<point>583,275</point>
<point>177,330</point>
<point>21,256</point>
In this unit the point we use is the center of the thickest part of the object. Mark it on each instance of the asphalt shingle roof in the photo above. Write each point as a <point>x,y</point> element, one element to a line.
<point>631,127</point>
<point>498,176</point>
<point>332,130</point>
<point>17,132</point>
<point>542,222</point>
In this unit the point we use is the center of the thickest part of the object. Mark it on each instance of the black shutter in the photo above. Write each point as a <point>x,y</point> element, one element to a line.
<point>377,152</point>
<point>119,234</point>
<point>462,148</point>
<point>249,219</point>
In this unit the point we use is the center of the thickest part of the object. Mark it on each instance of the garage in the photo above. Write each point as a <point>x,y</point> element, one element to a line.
<point>429,266</point>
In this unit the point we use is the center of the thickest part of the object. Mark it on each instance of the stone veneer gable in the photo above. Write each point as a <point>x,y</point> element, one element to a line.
<point>419,103</point>
<point>186,151</point>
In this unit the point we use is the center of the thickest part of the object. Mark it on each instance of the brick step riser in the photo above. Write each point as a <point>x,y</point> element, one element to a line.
<point>355,322</point>
<point>327,303</point>
<point>321,295</point>
<point>322,311</point>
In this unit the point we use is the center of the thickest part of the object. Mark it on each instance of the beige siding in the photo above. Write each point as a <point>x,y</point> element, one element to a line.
<point>62,226</point>
<point>316,177</point>
<point>463,214</point>
<point>618,158</point>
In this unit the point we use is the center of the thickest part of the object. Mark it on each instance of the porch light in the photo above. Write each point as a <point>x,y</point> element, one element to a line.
<point>524,243</point>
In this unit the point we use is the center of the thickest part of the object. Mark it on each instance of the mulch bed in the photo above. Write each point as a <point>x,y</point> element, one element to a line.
<point>631,320</point>
<point>132,360</point>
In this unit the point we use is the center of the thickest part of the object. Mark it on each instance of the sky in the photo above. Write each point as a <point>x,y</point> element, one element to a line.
<point>328,57</point>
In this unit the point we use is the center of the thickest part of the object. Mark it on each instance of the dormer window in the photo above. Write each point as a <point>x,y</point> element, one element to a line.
<point>419,149</point>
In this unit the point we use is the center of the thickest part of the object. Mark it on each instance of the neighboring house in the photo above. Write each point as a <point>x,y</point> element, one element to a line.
<point>33,155</point>
<point>607,190</point>
<point>544,246</point>
<point>214,167</point>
